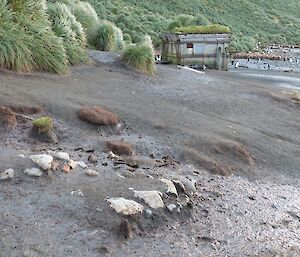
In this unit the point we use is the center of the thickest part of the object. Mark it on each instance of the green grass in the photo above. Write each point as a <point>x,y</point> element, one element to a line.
<point>141,56</point>
<point>65,26</point>
<point>249,20</point>
<point>209,29</point>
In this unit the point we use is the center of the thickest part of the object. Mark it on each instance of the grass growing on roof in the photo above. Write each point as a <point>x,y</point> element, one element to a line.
<point>209,29</point>
<point>141,56</point>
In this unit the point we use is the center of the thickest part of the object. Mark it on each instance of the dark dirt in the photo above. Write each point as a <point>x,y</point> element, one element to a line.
<point>230,118</point>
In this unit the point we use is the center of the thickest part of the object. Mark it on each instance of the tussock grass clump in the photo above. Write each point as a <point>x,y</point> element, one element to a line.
<point>108,37</point>
<point>141,57</point>
<point>43,124</point>
<point>209,29</point>
<point>27,41</point>
<point>65,26</point>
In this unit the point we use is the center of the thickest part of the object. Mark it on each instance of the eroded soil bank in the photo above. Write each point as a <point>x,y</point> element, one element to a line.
<point>180,124</point>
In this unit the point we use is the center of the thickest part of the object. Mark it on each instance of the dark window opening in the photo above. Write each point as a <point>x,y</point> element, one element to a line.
<point>190,45</point>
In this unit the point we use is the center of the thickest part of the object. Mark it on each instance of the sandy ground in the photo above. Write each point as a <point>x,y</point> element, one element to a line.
<point>254,212</point>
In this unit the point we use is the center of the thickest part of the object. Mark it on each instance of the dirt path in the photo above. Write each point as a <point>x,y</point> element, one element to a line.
<point>204,121</point>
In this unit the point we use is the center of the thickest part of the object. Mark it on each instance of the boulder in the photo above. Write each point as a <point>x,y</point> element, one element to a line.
<point>98,116</point>
<point>152,198</point>
<point>125,206</point>
<point>42,160</point>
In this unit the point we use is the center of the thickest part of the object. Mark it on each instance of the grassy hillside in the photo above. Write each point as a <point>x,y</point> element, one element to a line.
<point>250,20</point>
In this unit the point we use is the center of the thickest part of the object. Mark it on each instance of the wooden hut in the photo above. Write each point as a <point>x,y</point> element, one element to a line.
<point>196,49</point>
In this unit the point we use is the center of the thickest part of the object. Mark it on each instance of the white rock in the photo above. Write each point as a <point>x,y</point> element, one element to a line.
<point>92,173</point>
<point>21,156</point>
<point>171,187</point>
<point>171,207</point>
<point>111,155</point>
<point>73,164</point>
<point>82,164</point>
<point>77,193</point>
<point>152,198</point>
<point>42,160</point>
<point>61,156</point>
<point>7,174</point>
<point>35,172</point>
<point>125,206</point>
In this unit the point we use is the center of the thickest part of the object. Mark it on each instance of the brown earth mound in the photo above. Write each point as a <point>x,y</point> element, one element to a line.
<point>25,109</point>
<point>120,147</point>
<point>286,97</point>
<point>7,118</point>
<point>234,151</point>
<point>98,116</point>
<point>201,160</point>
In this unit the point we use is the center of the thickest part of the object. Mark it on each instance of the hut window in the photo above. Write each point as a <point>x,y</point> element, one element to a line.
<point>189,45</point>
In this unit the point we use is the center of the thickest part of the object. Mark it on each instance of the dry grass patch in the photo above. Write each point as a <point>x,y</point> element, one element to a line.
<point>120,147</point>
<point>8,119</point>
<point>98,116</point>
<point>25,109</point>
<point>201,160</point>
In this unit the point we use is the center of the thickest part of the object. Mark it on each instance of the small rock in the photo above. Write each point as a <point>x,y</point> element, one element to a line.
<point>82,164</point>
<point>73,164</point>
<point>55,165</point>
<point>148,213</point>
<point>111,155</point>
<point>125,206</point>
<point>77,193</point>
<point>92,173</point>
<point>171,187</point>
<point>21,156</point>
<point>34,172</point>
<point>42,160</point>
<point>61,156</point>
<point>178,185</point>
<point>152,198</point>
<point>66,168</point>
<point>171,207</point>
<point>7,174</point>
<point>189,186</point>
<point>93,158</point>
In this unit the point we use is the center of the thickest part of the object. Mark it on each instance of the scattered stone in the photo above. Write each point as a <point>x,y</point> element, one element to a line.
<point>111,155</point>
<point>7,118</point>
<point>7,174</point>
<point>98,116</point>
<point>82,164</point>
<point>42,160</point>
<point>34,172</point>
<point>55,165</point>
<point>125,206</point>
<point>171,187</point>
<point>120,147</point>
<point>171,207</point>
<point>21,156</point>
<point>125,229</point>
<point>189,186</point>
<point>77,193</point>
<point>92,158</point>
<point>152,198</point>
<point>178,185</point>
<point>60,155</point>
<point>148,213</point>
<point>92,173</point>
<point>43,130</point>
<point>73,164</point>
<point>66,168</point>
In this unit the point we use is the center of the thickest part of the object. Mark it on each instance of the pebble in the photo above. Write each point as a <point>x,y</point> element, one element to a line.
<point>42,160</point>
<point>81,164</point>
<point>92,158</point>
<point>66,168</point>
<point>55,165</point>
<point>92,173</point>
<point>171,207</point>
<point>148,213</point>
<point>34,172</point>
<point>73,164</point>
<point>125,206</point>
<point>61,156</point>
<point>7,174</point>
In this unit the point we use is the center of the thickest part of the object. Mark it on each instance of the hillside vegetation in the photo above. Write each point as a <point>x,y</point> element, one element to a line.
<point>251,21</point>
